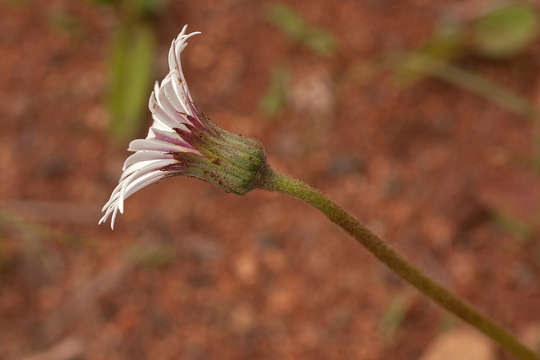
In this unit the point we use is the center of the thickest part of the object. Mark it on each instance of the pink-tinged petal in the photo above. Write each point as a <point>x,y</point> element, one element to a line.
<point>156,145</point>
<point>171,137</point>
<point>145,155</point>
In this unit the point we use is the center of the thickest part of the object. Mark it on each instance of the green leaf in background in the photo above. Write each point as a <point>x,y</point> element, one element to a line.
<point>473,82</point>
<point>274,99</point>
<point>298,29</point>
<point>63,21</point>
<point>19,2</point>
<point>320,41</point>
<point>519,229</point>
<point>136,8</point>
<point>505,31</point>
<point>287,20</point>
<point>131,68</point>
<point>106,2</point>
<point>148,6</point>
<point>151,255</point>
<point>446,44</point>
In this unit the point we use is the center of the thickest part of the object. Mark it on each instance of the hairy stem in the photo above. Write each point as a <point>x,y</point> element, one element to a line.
<point>275,181</point>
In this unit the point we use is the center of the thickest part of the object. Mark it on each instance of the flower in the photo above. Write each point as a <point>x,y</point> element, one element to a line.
<point>183,141</point>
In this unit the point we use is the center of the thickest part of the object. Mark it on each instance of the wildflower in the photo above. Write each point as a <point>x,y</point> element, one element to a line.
<point>183,141</point>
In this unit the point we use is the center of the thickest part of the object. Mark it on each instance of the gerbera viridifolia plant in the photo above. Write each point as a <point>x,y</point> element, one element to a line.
<point>183,141</point>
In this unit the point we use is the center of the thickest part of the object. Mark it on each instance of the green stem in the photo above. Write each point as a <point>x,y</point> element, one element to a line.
<point>275,181</point>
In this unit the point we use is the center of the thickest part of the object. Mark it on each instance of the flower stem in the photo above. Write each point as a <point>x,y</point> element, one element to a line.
<point>275,181</point>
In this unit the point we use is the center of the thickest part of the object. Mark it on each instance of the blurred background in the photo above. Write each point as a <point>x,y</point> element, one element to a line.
<point>420,117</point>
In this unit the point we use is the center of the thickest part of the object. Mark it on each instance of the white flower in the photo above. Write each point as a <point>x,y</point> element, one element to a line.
<point>159,155</point>
<point>182,141</point>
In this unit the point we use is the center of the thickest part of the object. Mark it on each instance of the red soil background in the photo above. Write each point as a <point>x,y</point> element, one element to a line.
<point>261,276</point>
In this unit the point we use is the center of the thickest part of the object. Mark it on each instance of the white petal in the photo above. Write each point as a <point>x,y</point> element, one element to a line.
<point>180,92</point>
<point>159,114</point>
<point>112,198</point>
<point>145,155</point>
<point>171,107</point>
<point>158,124</point>
<point>138,184</point>
<point>142,167</point>
<point>144,181</point>
<point>115,212</point>
<point>113,203</point>
<point>137,171</point>
<point>168,88</point>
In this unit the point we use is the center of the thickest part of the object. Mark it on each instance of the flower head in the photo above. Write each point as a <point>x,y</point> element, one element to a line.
<point>182,141</point>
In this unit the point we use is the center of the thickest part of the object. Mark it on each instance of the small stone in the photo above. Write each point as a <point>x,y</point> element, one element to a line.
<point>463,268</point>
<point>345,164</point>
<point>274,260</point>
<point>246,267</point>
<point>242,318</point>
<point>281,300</point>
<point>531,337</point>
<point>439,231</point>
<point>460,344</point>
<point>313,93</point>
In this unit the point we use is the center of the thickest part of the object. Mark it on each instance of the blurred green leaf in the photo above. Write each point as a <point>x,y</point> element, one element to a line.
<point>394,315</point>
<point>519,229</point>
<point>505,31</point>
<point>4,257</point>
<point>151,255</point>
<point>131,68</point>
<point>136,8</point>
<point>64,21</point>
<point>36,231</point>
<point>148,6</point>
<point>287,20</point>
<point>274,99</point>
<point>446,44</point>
<point>19,2</point>
<point>448,322</point>
<point>473,82</point>
<point>298,29</point>
<point>107,2</point>
<point>320,41</point>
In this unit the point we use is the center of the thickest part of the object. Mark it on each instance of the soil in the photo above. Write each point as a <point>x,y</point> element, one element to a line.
<point>193,273</point>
